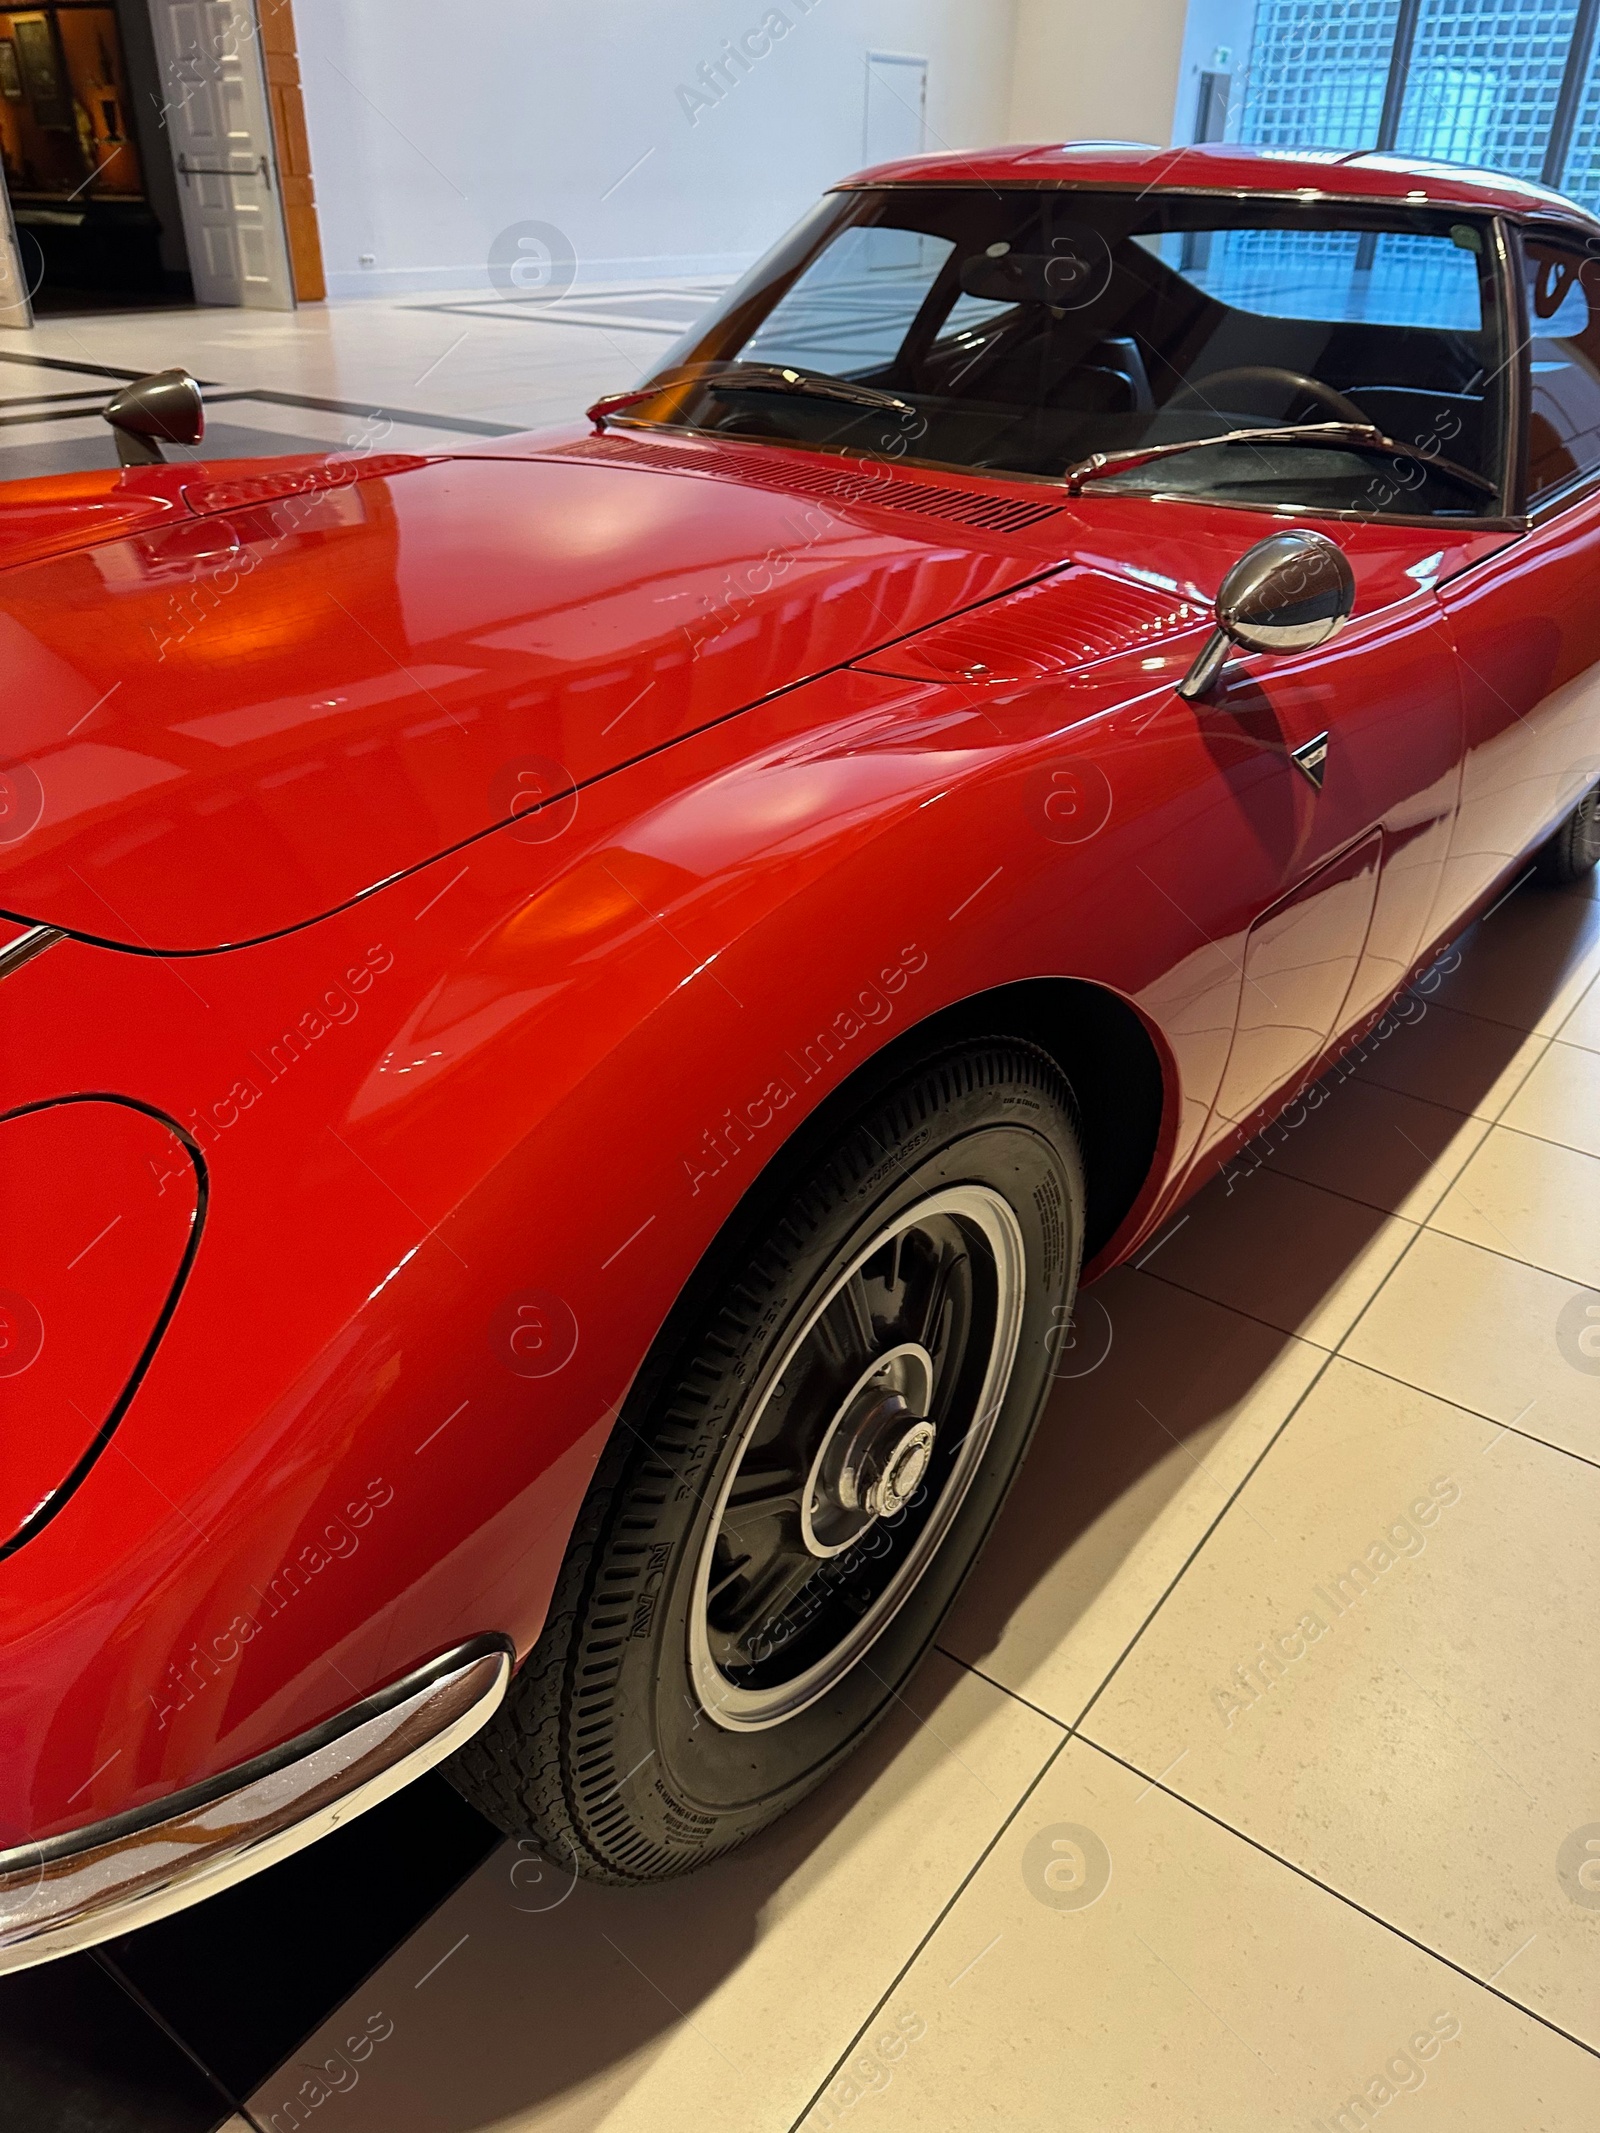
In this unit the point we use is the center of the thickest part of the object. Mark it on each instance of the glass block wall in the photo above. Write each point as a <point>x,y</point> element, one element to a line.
<point>1582,180</point>
<point>1484,79</point>
<point>1482,85</point>
<point>1316,73</point>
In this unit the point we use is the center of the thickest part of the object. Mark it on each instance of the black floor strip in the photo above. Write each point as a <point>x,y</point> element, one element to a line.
<point>368,412</point>
<point>80,413</point>
<point>364,410</point>
<point>246,1976</point>
<point>45,456</point>
<point>89,394</point>
<point>77,2056</point>
<point>161,2031</point>
<point>82,370</point>
<point>229,2103</point>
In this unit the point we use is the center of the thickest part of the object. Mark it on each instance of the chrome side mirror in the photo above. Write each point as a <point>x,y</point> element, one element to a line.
<point>1289,593</point>
<point>165,408</point>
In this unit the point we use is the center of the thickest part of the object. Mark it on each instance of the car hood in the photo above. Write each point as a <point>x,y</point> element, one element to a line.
<point>230,711</point>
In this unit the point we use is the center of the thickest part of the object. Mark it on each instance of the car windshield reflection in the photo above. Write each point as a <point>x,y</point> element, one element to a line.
<point>1029,330</point>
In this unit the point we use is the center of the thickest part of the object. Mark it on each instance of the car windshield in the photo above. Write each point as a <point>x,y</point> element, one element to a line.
<point>1022,331</point>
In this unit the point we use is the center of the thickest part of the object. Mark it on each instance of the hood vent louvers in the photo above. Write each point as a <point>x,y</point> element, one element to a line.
<point>1041,633</point>
<point>205,499</point>
<point>796,473</point>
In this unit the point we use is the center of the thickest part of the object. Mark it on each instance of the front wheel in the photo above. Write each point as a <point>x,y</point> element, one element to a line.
<point>804,1477</point>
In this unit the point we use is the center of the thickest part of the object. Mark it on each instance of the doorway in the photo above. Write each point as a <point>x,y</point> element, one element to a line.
<point>92,192</point>
<point>154,152</point>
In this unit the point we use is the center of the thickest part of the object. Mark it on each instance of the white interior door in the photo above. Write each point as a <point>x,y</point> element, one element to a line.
<point>221,134</point>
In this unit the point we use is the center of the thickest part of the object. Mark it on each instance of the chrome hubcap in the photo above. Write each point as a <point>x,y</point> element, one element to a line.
<point>865,1438</point>
<point>874,1455</point>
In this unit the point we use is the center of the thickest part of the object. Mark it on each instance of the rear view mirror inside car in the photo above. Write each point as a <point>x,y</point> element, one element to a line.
<point>1069,273</point>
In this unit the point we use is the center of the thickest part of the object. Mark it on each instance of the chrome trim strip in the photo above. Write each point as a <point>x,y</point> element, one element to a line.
<point>90,1884</point>
<point>26,946</point>
<point>1582,489</point>
<point>1511,274</point>
<point>1498,523</point>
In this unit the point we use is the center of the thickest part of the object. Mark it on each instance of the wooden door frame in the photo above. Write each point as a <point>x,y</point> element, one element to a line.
<point>280,59</point>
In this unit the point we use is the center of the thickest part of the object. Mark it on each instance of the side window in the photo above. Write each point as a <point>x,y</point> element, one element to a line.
<point>850,311</point>
<point>1564,352</point>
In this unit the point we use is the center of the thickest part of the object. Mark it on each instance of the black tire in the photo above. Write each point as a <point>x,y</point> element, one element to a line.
<point>1574,850</point>
<point>616,1750</point>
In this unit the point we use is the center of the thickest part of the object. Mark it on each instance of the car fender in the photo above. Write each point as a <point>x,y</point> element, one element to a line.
<point>466,1140</point>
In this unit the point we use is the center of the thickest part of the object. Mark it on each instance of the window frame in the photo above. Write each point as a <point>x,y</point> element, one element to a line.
<point>1579,487</point>
<point>1511,514</point>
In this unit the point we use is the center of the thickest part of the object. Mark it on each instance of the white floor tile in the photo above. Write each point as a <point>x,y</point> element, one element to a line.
<point>1387,1677</point>
<point>1200,1988</point>
<point>1532,1200</point>
<point>1528,963</point>
<point>1582,1026</point>
<point>1133,1462</point>
<point>1490,1334</point>
<point>1294,1255</point>
<point>1560,1100</point>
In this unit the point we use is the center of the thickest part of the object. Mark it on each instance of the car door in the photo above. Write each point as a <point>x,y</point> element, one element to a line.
<point>1527,621</point>
<point>1347,818</point>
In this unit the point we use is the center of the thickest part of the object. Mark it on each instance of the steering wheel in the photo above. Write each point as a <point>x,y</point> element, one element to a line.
<point>1341,409</point>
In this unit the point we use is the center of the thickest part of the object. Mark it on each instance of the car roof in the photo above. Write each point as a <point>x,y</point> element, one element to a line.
<point>1333,173</point>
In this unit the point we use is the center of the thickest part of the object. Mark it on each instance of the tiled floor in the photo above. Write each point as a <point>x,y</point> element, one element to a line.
<point>1256,1781</point>
<point>405,374</point>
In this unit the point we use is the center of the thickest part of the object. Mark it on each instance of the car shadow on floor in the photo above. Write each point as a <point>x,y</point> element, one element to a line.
<point>1184,1366</point>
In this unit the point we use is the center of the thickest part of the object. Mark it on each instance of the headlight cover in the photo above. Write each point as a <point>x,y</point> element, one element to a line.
<point>101,1205</point>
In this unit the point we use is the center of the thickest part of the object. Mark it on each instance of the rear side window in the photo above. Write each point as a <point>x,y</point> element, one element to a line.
<point>1373,277</point>
<point>1563,284</point>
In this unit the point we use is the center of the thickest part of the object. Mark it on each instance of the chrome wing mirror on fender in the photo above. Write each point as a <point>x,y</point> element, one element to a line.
<point>164,408</point>
<point>1289,593</point>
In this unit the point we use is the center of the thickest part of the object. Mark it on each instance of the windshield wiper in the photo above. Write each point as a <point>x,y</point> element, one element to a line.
<point>1364,436</point>
<point>761,378</point>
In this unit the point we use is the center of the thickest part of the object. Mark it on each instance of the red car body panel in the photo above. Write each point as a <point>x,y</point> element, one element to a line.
<point>1224,167</point>
<point>470,1091</point>
<point>91,1241</point>
<point>295,701</point>
<point>1527,629</point>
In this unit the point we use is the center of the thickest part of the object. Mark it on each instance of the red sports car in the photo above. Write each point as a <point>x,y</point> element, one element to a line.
<point>575,1011</point>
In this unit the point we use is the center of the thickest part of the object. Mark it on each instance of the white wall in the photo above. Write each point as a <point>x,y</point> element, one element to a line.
<point>434,128</point>
<point>1092,69</point>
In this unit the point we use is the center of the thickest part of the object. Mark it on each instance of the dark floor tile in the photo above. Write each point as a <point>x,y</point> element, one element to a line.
<point>245,1976</point>
<point>78,2056</point>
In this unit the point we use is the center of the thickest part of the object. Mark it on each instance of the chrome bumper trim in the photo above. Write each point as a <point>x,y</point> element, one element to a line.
<point>25,947</point>
<point>90,1884</point>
